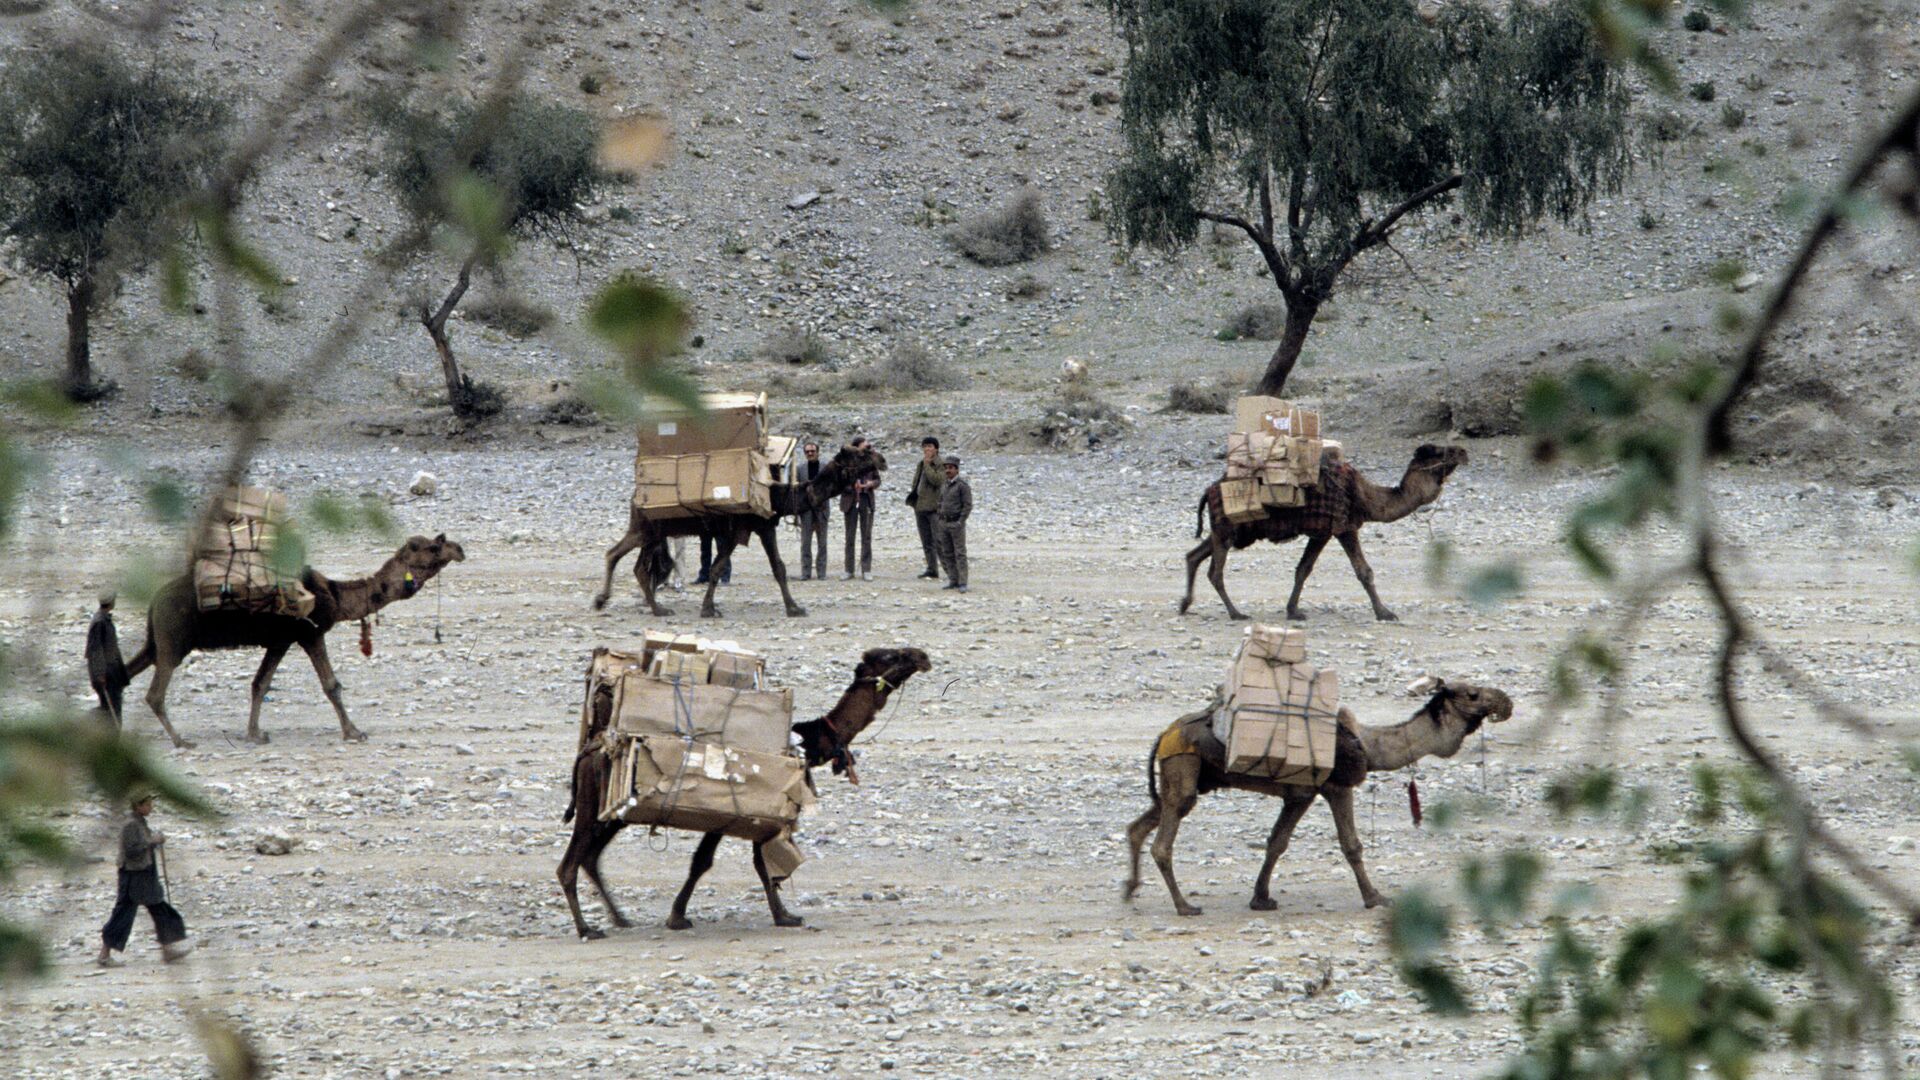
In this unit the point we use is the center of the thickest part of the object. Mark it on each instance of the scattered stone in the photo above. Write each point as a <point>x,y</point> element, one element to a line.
<point>275,842</point>
<point>424,484</point>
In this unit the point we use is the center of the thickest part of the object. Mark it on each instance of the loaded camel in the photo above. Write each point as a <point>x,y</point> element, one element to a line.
<point>1335,509</point>
<point>176,627</point>
<point>1190,762</point>
<point>655,564</point>
<point>825,741</point>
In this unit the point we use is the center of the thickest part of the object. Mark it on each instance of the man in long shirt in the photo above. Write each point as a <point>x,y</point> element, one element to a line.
<point>956,506</point>
<point>813,519</point>
<point>140,886</point>
<point>924,496</point>
<point>856,507</point>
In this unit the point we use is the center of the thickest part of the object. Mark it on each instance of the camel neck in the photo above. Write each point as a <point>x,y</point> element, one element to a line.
<point>1415,490</point>
<point>856,709</point>
<point>1398,746</point>
<point>361,597</point>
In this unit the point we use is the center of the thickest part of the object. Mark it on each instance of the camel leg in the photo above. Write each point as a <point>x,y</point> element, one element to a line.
<point>1163,852</point>
<point>1351,542</point>
<point>263,679</point>
<point>330,685</point>
<point>614,555</point>
<point>1340,801</point>
<point>603,834</point>
<point>1217,573</point>
<point>769,539</point>
<point>1290,815</point>
<point>569,872</point>
<point>1194,558</point>
<point>643,573</point>
<point>723,546</point>
<point>781,916</point>
<point>702,859</point>
<point>157,699</point>
<point>1315,545</point>
<point>1137,834</point>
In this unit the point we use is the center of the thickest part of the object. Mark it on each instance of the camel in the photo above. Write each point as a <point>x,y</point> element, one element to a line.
<point>176,627</point>
<point>1335,509</point>
<point>655,565</point>
<point>825,741</point>
<point>1190,762</point>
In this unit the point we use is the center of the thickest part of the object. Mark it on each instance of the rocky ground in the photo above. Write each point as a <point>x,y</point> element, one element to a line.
<point>962,905</point>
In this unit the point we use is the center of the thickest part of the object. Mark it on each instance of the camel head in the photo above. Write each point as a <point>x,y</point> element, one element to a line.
<point>1437,461</point>
<point>423,558</point>
<point>838,474</point>
<point>892,667</point>
<point>1460,708</point>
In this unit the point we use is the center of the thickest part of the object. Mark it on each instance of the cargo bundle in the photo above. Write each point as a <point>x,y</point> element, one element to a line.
<point>719,463</point>
<point>232,561</point>
<point>700,741</point>
<point>1273,455</point>
<point>1280,721</point>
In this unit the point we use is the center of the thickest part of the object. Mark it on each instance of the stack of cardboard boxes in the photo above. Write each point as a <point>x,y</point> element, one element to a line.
<point>700,741</point>
<point>232,560</point>
<point>1281,719</point>
<point>1273,453</point>
<point>719,463</point>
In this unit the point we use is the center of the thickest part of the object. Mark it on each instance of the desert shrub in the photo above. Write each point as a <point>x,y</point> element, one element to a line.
<point>1211,398</point>
<point>1665,125</point>
<point>590,83</point>
<point>1012,234</point>
<point>508,313</point>
<point>1701,91</point>
<point>795,345</point>
<point>1025,287</point>
<point>908,366</point>
<point>478,398</point>
<point>569,410</point>
<point>1697,21</point>
<point>1256,322</point>
<point>1732,117</point>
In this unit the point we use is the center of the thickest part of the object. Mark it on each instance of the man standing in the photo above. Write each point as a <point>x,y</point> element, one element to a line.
<point>956,505</point>
<point>856,508</point>
<point>924,496</point>
<point>813,519</point>
<point>140,886</point>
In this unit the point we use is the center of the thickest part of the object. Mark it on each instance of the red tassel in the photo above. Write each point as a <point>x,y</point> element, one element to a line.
<point>366,639</point>
<point>1413,801</point>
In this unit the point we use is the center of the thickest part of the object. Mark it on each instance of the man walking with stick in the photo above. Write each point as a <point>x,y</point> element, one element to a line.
<point>141,885</point>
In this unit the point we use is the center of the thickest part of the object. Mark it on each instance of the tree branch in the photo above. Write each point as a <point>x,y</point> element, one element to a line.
<point>1276,263</point>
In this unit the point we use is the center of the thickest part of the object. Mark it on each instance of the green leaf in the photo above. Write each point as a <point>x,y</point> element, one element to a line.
<point>479,209</point>
<point>17,466</point>
<point>232,250</point>
<point>176,282</point>
<point>638,316</point>
<point>1437,988</point>
<point>1492,585</point>
<point>1727,271</point>
<point>289,555</point>
<point>1546,405</point>
<point>22,956</point>
<point>41,399</point>
<point>1419,926</point>
<point>167,502</point>
<point>1439,561</point>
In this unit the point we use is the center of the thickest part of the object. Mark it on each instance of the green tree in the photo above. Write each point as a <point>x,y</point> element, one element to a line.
<point>484,174</point>
<point>1318,127</point>
<point>96,157</point>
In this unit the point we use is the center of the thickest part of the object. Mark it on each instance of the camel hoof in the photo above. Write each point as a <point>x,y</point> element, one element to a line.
<point>709,613</point>
<point>1295,616</point>
<point>662,612</point>
<point>1127,889</point>
<point>259,738</point>
<point>600,603</point>
<point>1386,616</point>
<point>183,744</point>
<point>623,922</point>
<point>1189,911</point>
<point>677,922</point>
<point>796,612</point>
<point>592,934</point>
<point>1237,616</point>
<point>353,735</point>
<point>1184,605</point>
<point>1376,900</point>
<point>789,920</point>
<point>1263,903</point>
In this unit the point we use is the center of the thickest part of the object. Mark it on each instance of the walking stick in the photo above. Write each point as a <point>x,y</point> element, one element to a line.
<point>166,884</point>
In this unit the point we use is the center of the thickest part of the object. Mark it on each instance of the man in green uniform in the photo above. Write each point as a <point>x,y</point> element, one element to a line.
<point>924,496</point>
<point>956,505</point>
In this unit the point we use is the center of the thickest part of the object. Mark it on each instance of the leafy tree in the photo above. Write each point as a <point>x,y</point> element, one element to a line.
<point>1318,127</point>
<point>487,173</point>
<point>96,157</point>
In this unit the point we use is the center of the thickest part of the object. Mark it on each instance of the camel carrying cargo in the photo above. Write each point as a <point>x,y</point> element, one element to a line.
<point>233,560</point>
<point>1280,721</point>
<point>720,463</point>
<point>700,741</point>
<point>1273,455</point>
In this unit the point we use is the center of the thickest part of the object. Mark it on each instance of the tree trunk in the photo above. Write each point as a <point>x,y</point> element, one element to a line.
<point>436,324</point>
<point>1300,313</point>
<point>79,378</point>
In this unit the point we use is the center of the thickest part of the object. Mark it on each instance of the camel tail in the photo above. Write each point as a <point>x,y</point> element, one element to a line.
<point>1200,517</point>
<point>1153,785</point>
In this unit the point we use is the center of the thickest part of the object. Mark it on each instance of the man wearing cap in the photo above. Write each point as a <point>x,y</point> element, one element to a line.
<point>813,519</point>
<point>956,505</point>
<point>140,886</point>
<point>856,507</point>
<point>924,496</point>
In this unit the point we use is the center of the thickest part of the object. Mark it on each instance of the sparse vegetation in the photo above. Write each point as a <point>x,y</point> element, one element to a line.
<point>569,411</point>
<point>797,346</point>
<point>1649,220</point>
<point>1256,322</point>
<point>477,399</point>
<point>590,83</point>
<point>1026,287</point>
<point>907,367</point>
<point>1701,91</point>
<point>1208,398</point>
<point>1732,117</point>
<point>508,312</point>
<point>1665,126</point>
<point>1012,234</point>
<point>1697,21</point>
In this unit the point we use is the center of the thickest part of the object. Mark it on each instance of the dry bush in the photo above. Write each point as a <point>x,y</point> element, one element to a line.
<point>509,313</point>
<point>797,346</point>
<point>1256,322</point>
<point>1012,234</point>
<point>909,366</point>
<point>1209,398</point>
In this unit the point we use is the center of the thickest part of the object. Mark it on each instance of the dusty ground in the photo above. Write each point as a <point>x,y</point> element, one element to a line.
<point>962,904</point>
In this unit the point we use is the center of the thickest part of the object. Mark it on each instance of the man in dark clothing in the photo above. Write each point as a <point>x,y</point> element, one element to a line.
<point>140,886</point>
<point>856,508</point>
<point>706,563</point>
<point>924,496</point>
<point>813,519</point>
<point>106,669</point>
<point>956,505</point>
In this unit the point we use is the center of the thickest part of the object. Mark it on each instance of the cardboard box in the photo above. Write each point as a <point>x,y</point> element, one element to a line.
<point>605,670</point>
<point>1303,456</point>
<point>1282,496</point>
<point>1274,644</point>
<point>721,482</point>
<point>1281,722</point>
<point>731,422</point>
<point>245,580</point>
<point>754,720</point>
<point>1273,415</point>
<point>686,784</point>
<point>1240,500</point>
<point>737,669</point>
<point>674,665</point>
